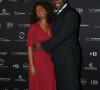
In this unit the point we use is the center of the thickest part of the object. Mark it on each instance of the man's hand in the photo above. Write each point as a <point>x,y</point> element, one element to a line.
<point>37,46</point>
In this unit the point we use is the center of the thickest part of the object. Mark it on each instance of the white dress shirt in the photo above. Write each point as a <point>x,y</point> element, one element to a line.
<point>59,11</point>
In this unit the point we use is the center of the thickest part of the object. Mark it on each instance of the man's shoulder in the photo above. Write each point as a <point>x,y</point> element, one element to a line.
<point>70,11</point>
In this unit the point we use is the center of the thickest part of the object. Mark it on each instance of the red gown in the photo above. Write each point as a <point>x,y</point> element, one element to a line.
<point>45,76</point>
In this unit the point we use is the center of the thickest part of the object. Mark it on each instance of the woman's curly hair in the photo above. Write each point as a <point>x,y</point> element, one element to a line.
<point>47,6</point>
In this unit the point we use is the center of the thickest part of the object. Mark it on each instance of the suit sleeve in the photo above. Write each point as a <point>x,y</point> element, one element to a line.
<point>68,27</point>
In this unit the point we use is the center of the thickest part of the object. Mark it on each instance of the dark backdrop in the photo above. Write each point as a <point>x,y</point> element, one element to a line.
<point>14,16</point>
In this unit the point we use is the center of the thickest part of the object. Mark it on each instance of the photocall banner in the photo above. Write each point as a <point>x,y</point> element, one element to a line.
<point>14,18</point>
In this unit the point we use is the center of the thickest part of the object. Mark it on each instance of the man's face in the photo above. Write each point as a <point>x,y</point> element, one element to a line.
<point>59,3</point>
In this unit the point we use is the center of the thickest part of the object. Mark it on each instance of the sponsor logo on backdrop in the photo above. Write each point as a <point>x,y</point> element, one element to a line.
<point>5,40</point>
<point>2,64</point>
<point>0,25</point>
<point>10,24</point>
<point>94,10</point>
<point>20,79</point>
<point>3,53</point>
<point>91,67</point>
<point>5,79</point>
<point>79,39</point>
<point>13,0</point>
<point>21,36</point>
<point>24,25</point>
<point>18,13</point>
<point>84,25</point>
<point>16,66</point>
<point>93,54</point>
<point>4,13</point>
<point>83,81</point>
<point>15,88</point>
<point>25,66</point>
<point>92,39</point>
<point>0,0</point>
<point>94,82</point>
<point>79,10</point>
<point>96,27</point>
<point>27,0</point>
<point>19,53</point>
<point>87,38</point>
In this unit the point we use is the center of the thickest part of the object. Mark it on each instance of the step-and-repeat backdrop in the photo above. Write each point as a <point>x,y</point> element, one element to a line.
<point>14,17</point>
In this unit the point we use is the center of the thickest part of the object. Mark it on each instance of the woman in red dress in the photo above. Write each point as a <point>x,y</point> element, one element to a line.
<point>41,68</point>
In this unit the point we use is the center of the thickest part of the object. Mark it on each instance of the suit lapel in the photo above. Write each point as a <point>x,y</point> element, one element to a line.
<point>56,21</point>
<point>53,24</point>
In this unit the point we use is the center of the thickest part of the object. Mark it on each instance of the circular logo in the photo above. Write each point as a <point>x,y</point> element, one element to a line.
<point>4,10</point>
<point>25,66</point>
<point>83,81</point>
<point>21,35</point>
<point>91,65</point>
<point>20,76</point>
<point>1,61</point>
<point>87,38</point>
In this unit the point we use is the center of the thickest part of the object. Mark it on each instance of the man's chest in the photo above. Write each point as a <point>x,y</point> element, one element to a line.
<point>56,23</point>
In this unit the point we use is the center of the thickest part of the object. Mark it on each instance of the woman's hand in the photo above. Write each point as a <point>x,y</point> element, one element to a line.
<point>33,71</point>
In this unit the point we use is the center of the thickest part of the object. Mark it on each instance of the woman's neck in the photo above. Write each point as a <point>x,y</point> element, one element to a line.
<point>43,22</point>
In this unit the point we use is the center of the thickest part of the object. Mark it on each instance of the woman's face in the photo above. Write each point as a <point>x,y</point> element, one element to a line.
<point>40,11</point>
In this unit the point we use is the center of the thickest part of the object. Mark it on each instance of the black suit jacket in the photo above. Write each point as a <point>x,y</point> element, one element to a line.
<point>64,44</point>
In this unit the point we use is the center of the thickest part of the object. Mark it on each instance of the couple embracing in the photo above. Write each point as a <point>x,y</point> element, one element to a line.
<point>53,47</point>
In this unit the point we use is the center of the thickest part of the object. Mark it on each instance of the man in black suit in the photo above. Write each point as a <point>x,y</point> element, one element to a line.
<point>64,46</point>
